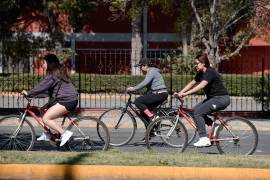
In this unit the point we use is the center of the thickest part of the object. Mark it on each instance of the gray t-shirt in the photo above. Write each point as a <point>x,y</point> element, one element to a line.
<point>49,87</point>
<point>153,80</point>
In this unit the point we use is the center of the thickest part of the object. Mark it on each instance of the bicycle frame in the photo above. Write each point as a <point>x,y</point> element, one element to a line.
<point>130,104</point>
<point>30,110</point>
<point>181,112</point>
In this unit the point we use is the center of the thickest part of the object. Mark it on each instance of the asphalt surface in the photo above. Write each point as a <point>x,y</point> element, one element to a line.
<point>263,148</point>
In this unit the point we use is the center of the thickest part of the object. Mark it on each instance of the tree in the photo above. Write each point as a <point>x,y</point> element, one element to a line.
<point>224,27</point>
<point>133,10</point>
<point>16,42</point>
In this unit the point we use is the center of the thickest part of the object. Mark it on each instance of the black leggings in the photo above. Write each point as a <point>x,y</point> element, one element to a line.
<point>150,101</point>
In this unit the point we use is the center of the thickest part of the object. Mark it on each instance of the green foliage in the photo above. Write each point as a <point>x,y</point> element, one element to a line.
<point>263,93</point>
<point>180,64</point>
<point>238,85</point>
<point>78,10</point>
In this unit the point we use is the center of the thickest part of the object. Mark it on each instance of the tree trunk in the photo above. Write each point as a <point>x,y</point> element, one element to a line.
<point>184,43</point>
<point>136,42</point>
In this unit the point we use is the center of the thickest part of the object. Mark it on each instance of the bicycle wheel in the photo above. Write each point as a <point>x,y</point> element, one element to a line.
<point>239,136</point>
<point>164,134</point>
<point>121,126</point>
<point>192,133</point>
<point>85,135</point>
<point>15,135</point>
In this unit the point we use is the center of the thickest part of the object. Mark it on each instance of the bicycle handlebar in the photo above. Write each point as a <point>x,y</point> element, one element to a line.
<point>179,99</point>
<point>26,97</point>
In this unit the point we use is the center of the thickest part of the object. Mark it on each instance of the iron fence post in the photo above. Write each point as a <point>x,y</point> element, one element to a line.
<point>79,90</point>
<point>263,82</point>
<point>171,73</point>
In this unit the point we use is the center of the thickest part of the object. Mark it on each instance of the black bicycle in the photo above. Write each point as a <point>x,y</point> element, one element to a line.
<point>121,122</point>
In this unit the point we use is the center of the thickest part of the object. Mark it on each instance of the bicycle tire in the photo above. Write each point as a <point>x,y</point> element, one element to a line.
<point>239,127</point>
<point>157,135</point>
<point>125,131</point>
<point>86,137</point>
<point>192,132</point>
<point>24,138</point>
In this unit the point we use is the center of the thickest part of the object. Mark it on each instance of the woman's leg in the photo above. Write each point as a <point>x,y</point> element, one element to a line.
<point>140,103</point>
<point>51,114</point>
<point>207,107</point>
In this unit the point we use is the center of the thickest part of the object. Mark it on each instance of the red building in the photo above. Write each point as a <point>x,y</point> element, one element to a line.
<point>104,43</point>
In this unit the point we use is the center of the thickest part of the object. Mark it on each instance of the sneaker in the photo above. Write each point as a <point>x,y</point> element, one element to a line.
<point>65,137</point>
<point>43,137</point>
<point>153,118</point>
<point>203,142</point>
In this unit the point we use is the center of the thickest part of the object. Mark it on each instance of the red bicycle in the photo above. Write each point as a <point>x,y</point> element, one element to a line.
<point>17,131</point>
<point>234,135</point>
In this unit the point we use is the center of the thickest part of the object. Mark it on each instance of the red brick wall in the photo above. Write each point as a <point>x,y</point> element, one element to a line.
<point>252,60</point>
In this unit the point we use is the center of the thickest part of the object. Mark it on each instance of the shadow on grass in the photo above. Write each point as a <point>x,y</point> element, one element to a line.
<point>69,171</point>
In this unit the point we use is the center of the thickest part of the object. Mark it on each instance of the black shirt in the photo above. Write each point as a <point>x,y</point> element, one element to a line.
<point>215,85</point>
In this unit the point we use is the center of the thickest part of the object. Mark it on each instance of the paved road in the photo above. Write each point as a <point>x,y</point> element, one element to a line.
<point>262,125</point>
<point>135,145</point>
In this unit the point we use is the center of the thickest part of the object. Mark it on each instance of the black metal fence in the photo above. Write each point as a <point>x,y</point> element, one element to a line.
<point>102,76</point>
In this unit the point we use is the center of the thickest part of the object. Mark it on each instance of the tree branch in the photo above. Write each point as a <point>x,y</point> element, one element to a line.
<point>229,22</point>
<point>199,21</point>
<point>237,50</point>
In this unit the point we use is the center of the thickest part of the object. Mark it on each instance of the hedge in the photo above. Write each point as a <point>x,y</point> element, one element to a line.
<point>238,85</point>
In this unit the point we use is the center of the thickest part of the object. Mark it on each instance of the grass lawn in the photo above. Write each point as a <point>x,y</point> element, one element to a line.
<point>145,158</point>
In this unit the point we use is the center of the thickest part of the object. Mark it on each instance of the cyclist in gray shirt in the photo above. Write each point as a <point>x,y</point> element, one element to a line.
<point>156,90</point>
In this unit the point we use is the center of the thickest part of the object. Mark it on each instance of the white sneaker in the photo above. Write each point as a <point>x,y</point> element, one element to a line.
<point>154,117</point>
<point>65,137</point>
<point>43,137</point>
<point>203,142</point>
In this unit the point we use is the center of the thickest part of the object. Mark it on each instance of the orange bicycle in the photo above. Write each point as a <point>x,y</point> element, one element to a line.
<point>17,131</point>
<point>235,135</point>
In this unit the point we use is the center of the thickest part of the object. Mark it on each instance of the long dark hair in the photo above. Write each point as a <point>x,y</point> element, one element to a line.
<point>55,68</point>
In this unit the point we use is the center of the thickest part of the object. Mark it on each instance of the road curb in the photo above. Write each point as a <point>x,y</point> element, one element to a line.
<point>35,171</point>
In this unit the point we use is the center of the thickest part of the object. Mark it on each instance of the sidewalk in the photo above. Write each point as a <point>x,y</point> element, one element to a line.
<point>33,171</point>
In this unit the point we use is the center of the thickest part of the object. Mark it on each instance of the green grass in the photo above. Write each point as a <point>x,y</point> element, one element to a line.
<point>145,158</point>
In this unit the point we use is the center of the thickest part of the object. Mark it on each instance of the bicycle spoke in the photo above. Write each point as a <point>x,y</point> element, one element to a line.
<point>85,137</point>
<point>247,137</point>
<point>121,126</point>
<point>168,137</point>
<point>16,136</point>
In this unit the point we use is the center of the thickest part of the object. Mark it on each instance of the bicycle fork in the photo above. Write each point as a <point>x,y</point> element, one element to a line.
<point>118,122</point>
<point>15,133</point>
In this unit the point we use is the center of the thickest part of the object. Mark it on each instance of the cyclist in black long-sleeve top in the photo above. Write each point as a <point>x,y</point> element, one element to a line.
<point>58,86</point>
